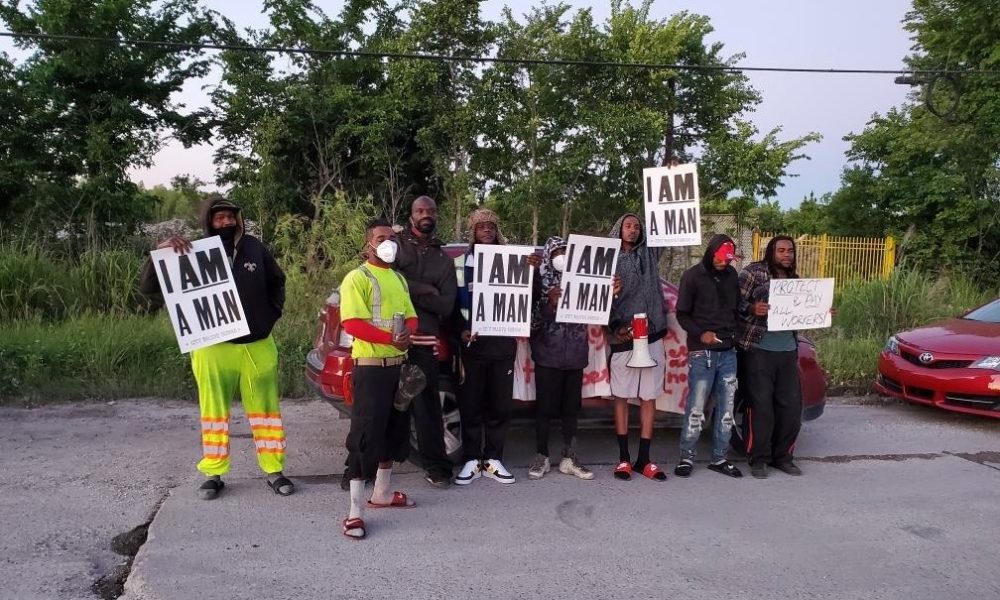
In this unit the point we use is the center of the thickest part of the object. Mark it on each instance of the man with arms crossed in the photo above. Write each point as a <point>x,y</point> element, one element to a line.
<point>430,275</point>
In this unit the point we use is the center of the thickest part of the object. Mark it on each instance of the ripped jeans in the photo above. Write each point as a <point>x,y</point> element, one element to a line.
<point>709,372</point>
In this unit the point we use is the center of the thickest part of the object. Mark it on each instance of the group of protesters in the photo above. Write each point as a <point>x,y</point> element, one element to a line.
<point>407,290</point>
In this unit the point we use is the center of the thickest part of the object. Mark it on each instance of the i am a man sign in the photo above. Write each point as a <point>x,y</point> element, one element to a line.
<point>586,282</point>
<point>672,206</point>
<point>501,291</point>
<point>200,294</point>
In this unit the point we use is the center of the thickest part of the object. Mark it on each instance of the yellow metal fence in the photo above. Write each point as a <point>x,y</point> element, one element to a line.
<point>839,257</point>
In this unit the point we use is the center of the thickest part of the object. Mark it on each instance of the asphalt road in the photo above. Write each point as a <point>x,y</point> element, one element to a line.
<point>897,502</point>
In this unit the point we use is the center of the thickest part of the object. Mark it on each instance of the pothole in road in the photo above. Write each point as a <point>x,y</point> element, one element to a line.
<point>112,585</point>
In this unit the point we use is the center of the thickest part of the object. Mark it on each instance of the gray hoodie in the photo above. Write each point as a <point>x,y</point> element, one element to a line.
<point>642,291</point>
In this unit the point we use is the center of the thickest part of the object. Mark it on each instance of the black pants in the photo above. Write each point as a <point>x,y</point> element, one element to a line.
<point>770,381</point>
<point>427,413</point>
<point>484,403</point>
<point>558,394</point>
<point>378,433</point>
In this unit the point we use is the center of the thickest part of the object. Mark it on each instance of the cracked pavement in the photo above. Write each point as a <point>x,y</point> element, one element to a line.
<point>897,502</point>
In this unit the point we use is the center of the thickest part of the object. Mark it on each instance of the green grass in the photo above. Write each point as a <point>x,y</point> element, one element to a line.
<point>92,356</point>
<point>40,283</point>
<point>99,357</point>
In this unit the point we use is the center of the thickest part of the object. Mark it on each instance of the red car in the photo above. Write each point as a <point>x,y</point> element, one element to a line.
<point>328,369</point>
<point>953,364</point>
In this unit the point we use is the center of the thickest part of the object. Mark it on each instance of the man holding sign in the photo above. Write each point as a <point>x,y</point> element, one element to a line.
<point>248,363</point>
<point>560,353</point>
<point>769,369</point>
<point>494,305</point>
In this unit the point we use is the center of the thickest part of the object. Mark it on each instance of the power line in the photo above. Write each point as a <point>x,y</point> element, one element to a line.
<point>478,59</point>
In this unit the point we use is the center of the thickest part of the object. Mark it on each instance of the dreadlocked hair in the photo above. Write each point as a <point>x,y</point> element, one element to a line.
<point>769,256</point>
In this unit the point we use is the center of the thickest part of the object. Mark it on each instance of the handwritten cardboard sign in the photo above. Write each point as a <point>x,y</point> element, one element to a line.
<point>672,205</point>
<point>200,294</point>
<point>586,283</point>
<point>501,291</point>
<point>799,304</point>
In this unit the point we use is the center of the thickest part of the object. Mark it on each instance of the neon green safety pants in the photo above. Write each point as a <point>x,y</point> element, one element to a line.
<point>252,368</point>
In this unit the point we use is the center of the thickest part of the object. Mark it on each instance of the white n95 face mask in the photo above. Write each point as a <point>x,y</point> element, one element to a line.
<point>559,263</point>
<point>386,251</point>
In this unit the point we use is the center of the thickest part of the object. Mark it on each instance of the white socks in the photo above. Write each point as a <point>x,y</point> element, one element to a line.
<point>357,499</point>
<point>381,493</point>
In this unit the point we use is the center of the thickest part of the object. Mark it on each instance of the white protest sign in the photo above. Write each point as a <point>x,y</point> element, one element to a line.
<point>200,294</point>
<point>501,291</point>
<point>799,304</point>
<point>673,205</point>
<point>586,282</point>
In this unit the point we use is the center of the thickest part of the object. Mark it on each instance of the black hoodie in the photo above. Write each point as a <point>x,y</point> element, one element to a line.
<point>258,278</point>
<point>708,299</point>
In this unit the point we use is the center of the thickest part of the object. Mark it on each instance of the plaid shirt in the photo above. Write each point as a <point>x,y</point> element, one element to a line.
<point>755,283</point>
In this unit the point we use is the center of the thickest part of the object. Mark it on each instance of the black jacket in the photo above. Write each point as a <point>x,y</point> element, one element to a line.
<point>258,278</point>
<point>430,275</point>
<point>708,299</point>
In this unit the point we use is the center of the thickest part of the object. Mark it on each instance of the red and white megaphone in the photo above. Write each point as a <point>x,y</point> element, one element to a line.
<point>640,343</point>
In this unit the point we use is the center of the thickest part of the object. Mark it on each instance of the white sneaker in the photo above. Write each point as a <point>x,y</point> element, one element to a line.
<point>569,466</point>
<point>540,467</point>
<point>494,469</point>
<point>471,471</point>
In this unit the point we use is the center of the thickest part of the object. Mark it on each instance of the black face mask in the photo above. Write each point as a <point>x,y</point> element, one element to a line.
<point>227,233</point>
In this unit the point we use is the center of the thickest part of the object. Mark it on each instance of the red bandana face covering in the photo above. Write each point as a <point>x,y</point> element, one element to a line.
<point>727,251</point>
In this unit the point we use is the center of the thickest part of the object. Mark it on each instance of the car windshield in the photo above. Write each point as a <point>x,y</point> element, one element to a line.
<point>989,313</point>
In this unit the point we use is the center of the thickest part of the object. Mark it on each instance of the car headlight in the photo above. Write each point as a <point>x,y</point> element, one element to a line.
<point>989,362</point>
<point>892,346</point>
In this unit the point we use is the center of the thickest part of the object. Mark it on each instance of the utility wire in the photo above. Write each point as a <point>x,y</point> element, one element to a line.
<point>478,59</point>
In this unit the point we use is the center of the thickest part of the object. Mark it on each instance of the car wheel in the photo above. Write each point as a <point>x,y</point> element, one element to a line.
<point>451,420</point>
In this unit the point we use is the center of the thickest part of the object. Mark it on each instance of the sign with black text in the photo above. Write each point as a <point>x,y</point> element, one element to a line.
<point>200,294</point>
<point>799,304</point>
<point>586,282</point>
<point>673,206</point>
<point>501,291</point>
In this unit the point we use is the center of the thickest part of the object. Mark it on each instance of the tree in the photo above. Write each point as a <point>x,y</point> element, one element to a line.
<point>594,128</point>
<point>924,171</point>
<point>811,216</point>
<point>446,126</point>
<point>182,200</point>
<point>532,153</point>
<point>85,113</point>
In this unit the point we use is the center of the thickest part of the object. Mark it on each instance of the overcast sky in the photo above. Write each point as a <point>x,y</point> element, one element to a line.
<point>864,34</point>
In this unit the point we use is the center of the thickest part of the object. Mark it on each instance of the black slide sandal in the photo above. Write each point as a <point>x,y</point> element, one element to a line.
<point>210,489</point>
<point>281,482</point>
